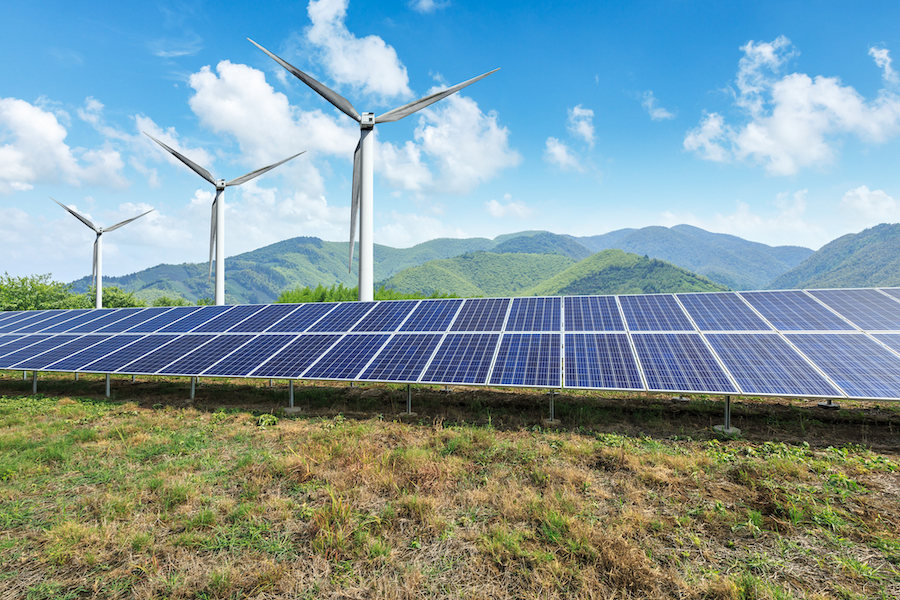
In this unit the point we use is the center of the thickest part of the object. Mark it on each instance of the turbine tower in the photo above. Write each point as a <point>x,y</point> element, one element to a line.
<point>363,184</point>
<point>97,270</point>
<point>217,227</point>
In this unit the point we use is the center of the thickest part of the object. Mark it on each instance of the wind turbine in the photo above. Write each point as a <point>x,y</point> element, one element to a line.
<point>97,271</point>
<point>363,184</point>
<point>217,228</point>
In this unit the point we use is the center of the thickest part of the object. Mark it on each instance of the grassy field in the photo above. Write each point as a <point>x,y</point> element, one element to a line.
<point>149,495</point>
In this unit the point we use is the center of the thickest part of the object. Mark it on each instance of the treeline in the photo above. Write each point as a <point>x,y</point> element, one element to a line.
<point>341,293</point>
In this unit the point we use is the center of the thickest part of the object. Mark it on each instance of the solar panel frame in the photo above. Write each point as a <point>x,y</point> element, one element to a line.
<point>882,311</point>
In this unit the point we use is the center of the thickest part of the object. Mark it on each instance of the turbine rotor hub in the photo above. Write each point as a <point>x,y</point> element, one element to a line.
<point>367,120</point>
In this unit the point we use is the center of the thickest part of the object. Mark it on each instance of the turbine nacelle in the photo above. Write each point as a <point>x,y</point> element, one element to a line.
<point>367,121</point>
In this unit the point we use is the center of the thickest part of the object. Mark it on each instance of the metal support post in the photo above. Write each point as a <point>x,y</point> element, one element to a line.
<point>271,383</point>
<point>24,375</point>
<point>727,429</point>
<point>829,405</point>
<point>76,375</point>
<point>107,385</point>
<point>34,382</point>
<point>409,412</point>
<point>291,394</point>
<point>193,387</point>
<point>552,421</point>
<point>133,377</point>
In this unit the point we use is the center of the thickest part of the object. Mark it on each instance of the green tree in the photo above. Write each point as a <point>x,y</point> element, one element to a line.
<point>169,301</point>
<point>34,292</point>
<point>340,293</point>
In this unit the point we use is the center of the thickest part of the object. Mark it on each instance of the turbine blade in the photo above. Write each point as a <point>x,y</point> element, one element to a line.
<point>212,239</point>
<point>258,172</point>
<point>357,192</point>
<point>194,166</point>
<point>416,105</point>
<point>339,102</point>
<point>81,218</point>
<point>127,221</point>
<point>94,268</point>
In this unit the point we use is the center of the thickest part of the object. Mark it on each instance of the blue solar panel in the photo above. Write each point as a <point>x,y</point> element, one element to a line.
<point>895,292</point>
<point>80,359</point>
<point>386,316</point>
<point>867,309</point>
<point>62,317</point>
<point>193,317</point>
<point>225,322</point>
<point>30,319</point>
<point>38,346</point>
<point>204,357</point>
<point>268,316</point>
<point>6,338</point>
<point>300,320</point>
<point>766,364</point>
<point>534,314</point>
<point>344,317</point>
<point>462,358</point>
<point>654,313</point>
<point>296,357</point>
<point>601,361</point>
<point>593,313</point>
<point>241,362</point>
<point>795,311</point>
<point>528,359</point>
<point>721,312</point>
<point>432,315</point>
<point>403,358</point>
<point>18,344</point>
<point>680,362</point>
<point>41,361</point>
<point>141,315</point>
<point>856,363</point>
<point>155,361</point>
<point>6,315</point>
<point>347,358</point>
<point>891,340</point>
<point>85,319</point>
<point>165,319</point>
<point>481,314</point>
<point>117,359</point>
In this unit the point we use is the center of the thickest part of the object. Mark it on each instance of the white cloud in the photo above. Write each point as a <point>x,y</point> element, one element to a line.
<point>188,45</point>
<point>408,229</point>
<point>428,6</point>
<point>558,154</point>
<point>581,124</point>
<point>883,60</point>
<point>657,113</point>
<point>402,166</point>
<point>36,152</point>
<point>512,208</point>
<point>794,121</point>
<point>368,63</point>
<point>870,206</point>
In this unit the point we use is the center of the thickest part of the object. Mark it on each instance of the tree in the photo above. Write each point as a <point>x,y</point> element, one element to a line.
<point>35,292</point>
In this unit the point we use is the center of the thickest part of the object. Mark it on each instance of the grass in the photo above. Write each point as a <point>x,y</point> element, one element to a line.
<point>230,498</point>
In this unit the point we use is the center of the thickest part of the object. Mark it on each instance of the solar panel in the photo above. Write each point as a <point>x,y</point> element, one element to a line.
<point>246,358</point>
<point>113,361</point>
<point>891,340</point>
<point>593,313</point>
<point>766,364</point>
<point>721,312</point>
<point>528,359</point>
<point>268,316</point>
<point>17,344</point>
<point>45,359</point>
<point>5,315</point>
<point>601,361</point>
<point>224,322</point>
<point>481,314</point>
<point>867,309</point>
<point>895,292</point>
<point>462,358</point>
<point>534,314</point>
<point>48,343</point>
<point>856,363</point>
<point>62,317</point>
<point>30,319</point>
<point>85,320</point>
<point>680,362</point>
<point>6,338</point>
<point>192,317</point>
<point>343,317</point>
<point>157,359</point>
<point>164,319</point>
<point>654,312</point>
<point>403,358</point>
<point>299,320</point>
<point>347,358</point>
<point>140,316</point>
<point>793,310</point>
<point>78,360</point>
<point>207,355</point>
<point>386,316</point>
<point>432,315</point>
<point>293,359</point>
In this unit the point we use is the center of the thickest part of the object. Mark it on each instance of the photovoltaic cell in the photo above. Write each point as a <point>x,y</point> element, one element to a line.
<point>165,319</point>
<point>432,315</point>
<point>290,362</point>
<point>403,358</point>
<point>528,359</point>
<point>386,316</point>
<point>30,319</point>
<point>63,317</point>
<point>5,315</point>
<point>265,318</point>
<point>721,312</point>
<point>299,320</point>
<point>24,353</point>
<point>462,358</point>
<point>117,359</point>
<point>891,340</point>
<point>6,338</point>
<point>48,358</point>
<point>857,364</point>
<point>481,314</point>
<point>224,322</point>
<point>593,313</point>
<point>86,320</point>
<point>16,345</point>
<point>680,362</point>
<point>162,356</point>
<point>895,292</point>
<point>793,310</point>
<point>867,309</point>
<point>601,361</point>
<point>344,317</point>
<point>191,319</point>
<point>654,312</point>
<point>141,316</point>
<point>207,355</point>
<point>80,359</point>
<point>766,364</point>
<point>534,314</point>
<point>347,358</point>
<point>241,362</point>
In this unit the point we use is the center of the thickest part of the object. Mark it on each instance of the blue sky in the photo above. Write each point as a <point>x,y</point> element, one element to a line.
<point>775,121</point>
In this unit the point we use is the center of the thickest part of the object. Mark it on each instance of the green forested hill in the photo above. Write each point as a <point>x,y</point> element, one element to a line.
<point>617,272</point>
<point>544,242</point>
<point>866,259</point>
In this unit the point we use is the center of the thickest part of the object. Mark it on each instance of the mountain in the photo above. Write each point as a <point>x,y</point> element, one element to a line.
<point>725,259</point>
<point>617,272</point>
<point>869,258</point>
<point>543,242</point>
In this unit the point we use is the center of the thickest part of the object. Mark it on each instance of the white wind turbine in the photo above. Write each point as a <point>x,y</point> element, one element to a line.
<point>217,228</point>
<point>363,185</point>
<point>97,270</point>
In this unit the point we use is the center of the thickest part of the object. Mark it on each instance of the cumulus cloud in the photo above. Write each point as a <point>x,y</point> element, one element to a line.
<point>870,206</point>
<point>402,166</point>
<point>794,121</point>
<point>408,229</point>
<point>512,208</point>
<point>883,60</point>
<point>656,112</point>
<point>428,6</point>
<point>581,124</point>
<point>558,154</point>
<point>35,152</point>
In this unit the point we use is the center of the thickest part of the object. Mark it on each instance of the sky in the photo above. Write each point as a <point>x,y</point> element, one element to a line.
<point>778,122</point>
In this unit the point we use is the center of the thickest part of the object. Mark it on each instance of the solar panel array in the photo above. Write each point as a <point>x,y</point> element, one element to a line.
<point>818,343</point>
